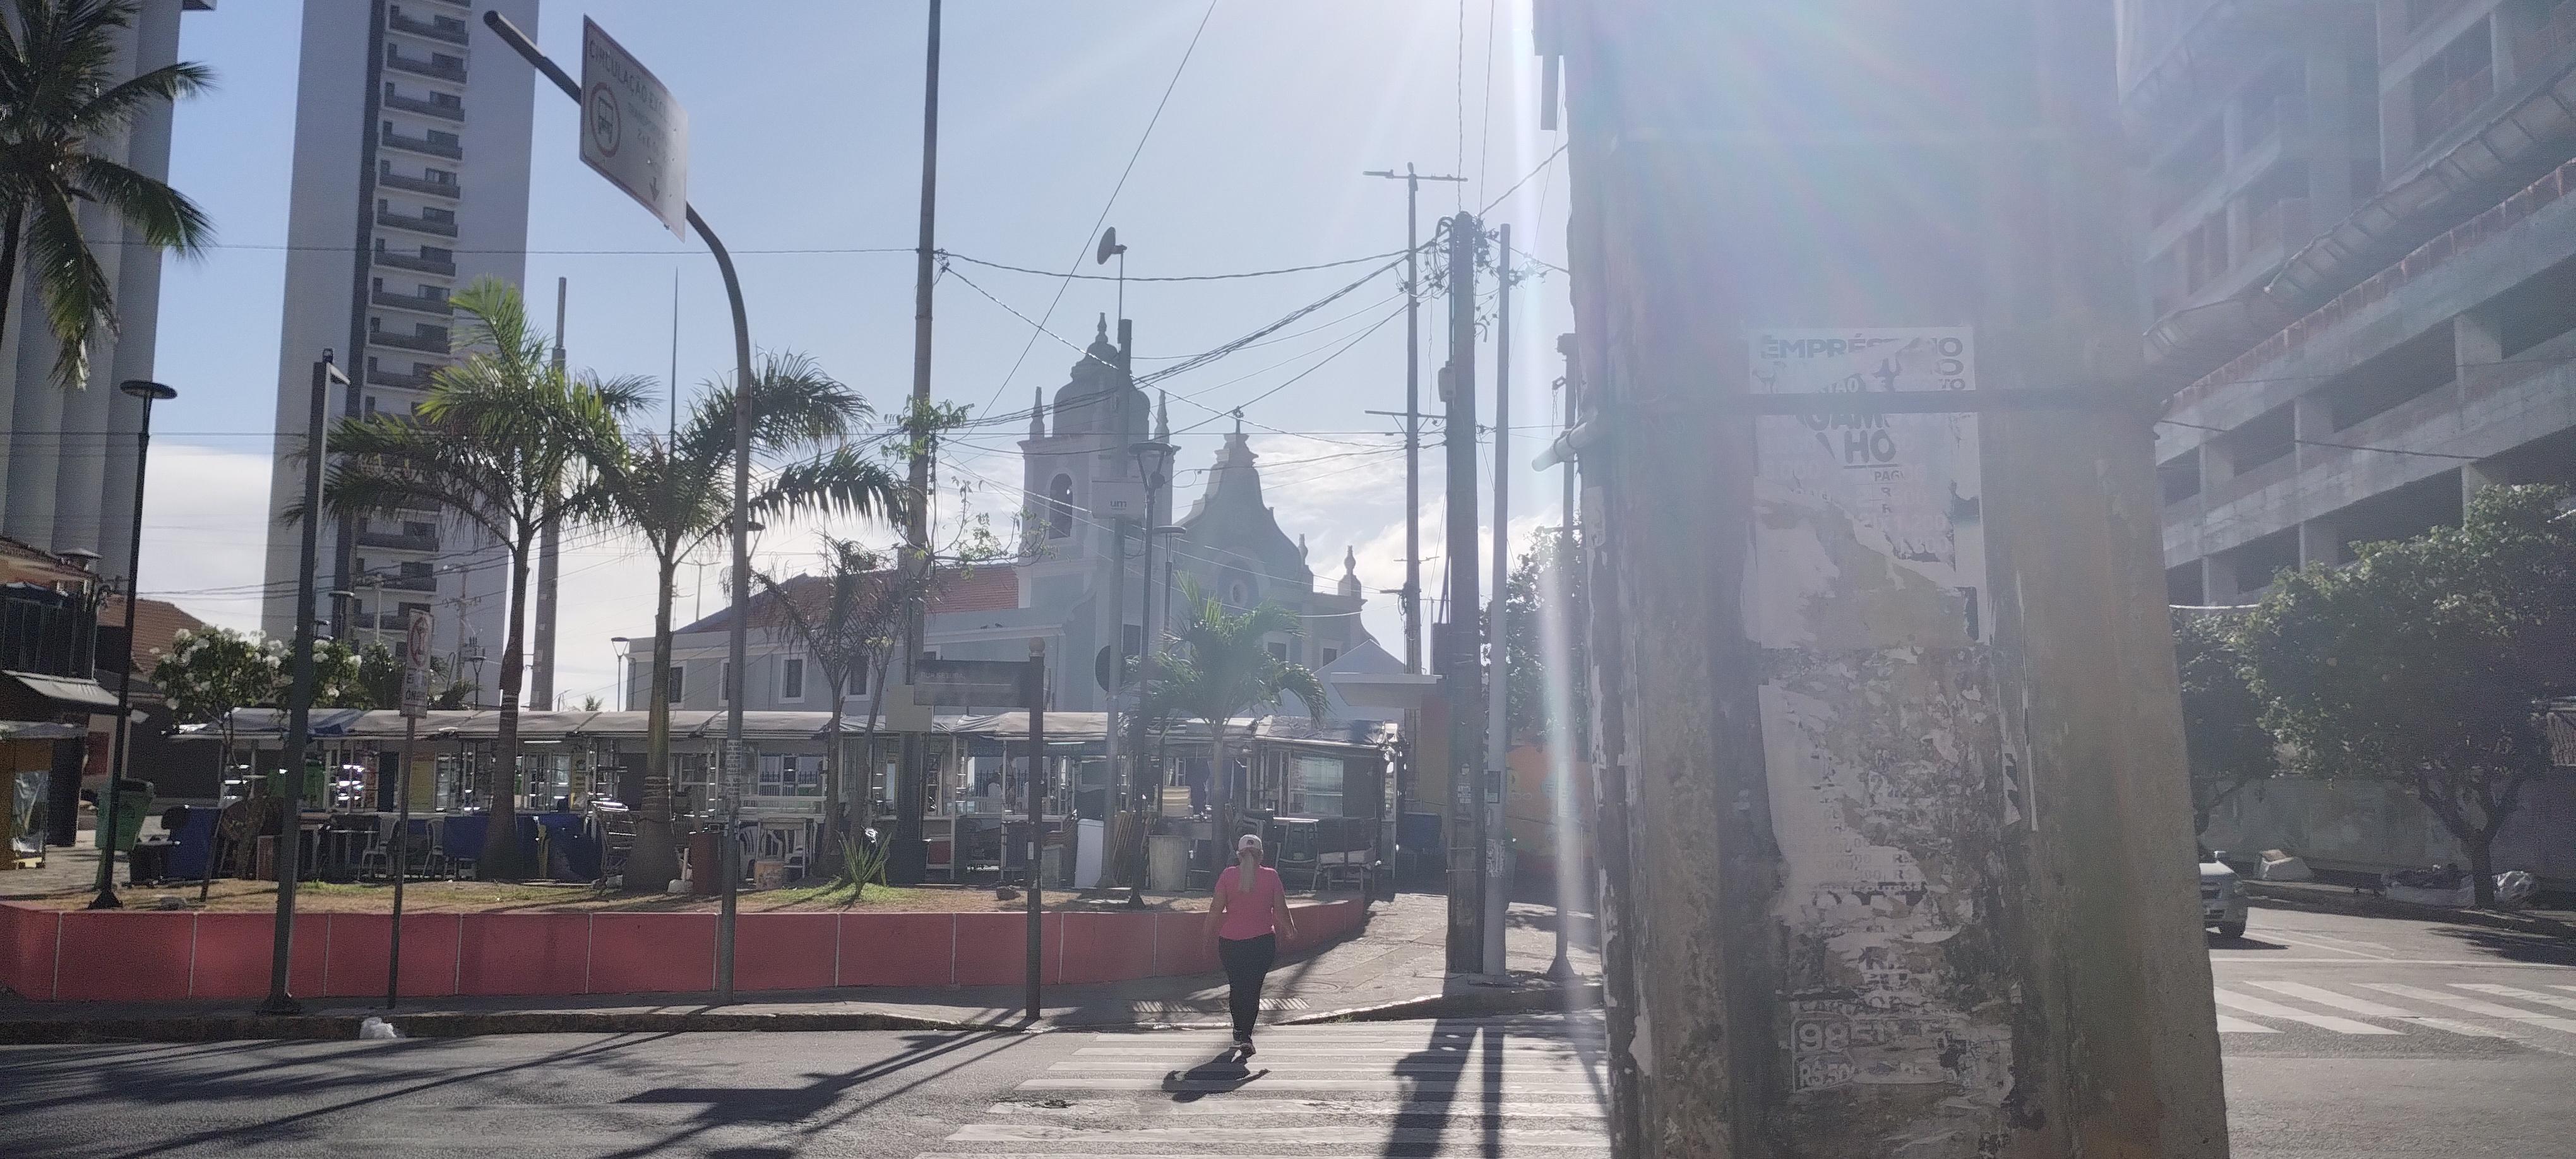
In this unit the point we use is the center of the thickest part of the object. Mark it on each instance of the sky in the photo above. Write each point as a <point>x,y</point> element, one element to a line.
<point>805,120</point>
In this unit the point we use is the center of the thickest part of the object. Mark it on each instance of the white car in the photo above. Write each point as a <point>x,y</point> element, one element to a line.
<point>2222,896</point>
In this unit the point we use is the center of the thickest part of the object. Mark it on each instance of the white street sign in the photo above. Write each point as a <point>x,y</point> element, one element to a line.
<point>415,686</point>
<point>632,131</point>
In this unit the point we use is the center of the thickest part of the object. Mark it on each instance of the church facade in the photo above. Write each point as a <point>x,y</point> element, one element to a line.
<point>1079,578</point>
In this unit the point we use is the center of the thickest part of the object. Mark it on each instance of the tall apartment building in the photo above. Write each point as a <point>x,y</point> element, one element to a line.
<point>2362,252</point>
<point>412,126</point>
<point>67,456</point>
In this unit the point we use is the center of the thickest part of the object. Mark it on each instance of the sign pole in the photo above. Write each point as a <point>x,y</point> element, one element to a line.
<point>1035,697</point>
<point>415,705</point>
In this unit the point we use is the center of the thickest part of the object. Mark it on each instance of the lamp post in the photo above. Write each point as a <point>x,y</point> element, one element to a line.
<point>149,392</point>
<point>1154,462</point>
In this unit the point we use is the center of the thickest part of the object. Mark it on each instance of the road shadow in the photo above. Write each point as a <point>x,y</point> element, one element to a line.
<point>2512,945</point>
<point>2242,942</point>
<point>1222,1075</point>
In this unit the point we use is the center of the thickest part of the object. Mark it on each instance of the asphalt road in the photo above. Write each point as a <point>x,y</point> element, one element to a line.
<point>2344,1037</point>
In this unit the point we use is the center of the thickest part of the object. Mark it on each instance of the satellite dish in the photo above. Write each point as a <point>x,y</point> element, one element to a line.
<point>1109,247</point>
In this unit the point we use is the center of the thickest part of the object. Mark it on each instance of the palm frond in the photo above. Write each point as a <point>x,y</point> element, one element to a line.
<point>164,216</point>
<point>112,111</point>
<point>77,299</point>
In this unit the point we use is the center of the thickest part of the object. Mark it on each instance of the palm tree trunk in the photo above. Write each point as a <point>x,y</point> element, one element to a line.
<point>655,860</point>
<point>501,841</point>
<point>828,842</point>
<point>9,263</point>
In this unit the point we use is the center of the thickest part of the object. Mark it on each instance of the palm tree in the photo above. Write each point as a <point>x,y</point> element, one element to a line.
<point>1224,667</point>
<point>677,493</point>
<point>844,618</point>
<point>505,442</point>
<point>58,96</point>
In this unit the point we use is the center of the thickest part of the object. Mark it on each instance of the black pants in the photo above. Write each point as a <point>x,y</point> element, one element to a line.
<point>1246,960</point>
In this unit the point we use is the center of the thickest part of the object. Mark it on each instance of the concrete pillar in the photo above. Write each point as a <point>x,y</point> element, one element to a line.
<point>2218,579</point>
<point>2311,421</point>
<point>1797,926</point>
<point>2320,541</point>
<point>2217,462</point>
<point>2476,477</point>
<point>2396,102</point>
<point>35,439</point>
<point>2329,139</point>
<point>2477,350</point>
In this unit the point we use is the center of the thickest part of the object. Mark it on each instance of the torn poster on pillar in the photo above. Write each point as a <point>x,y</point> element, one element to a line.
<point>1866,593</point>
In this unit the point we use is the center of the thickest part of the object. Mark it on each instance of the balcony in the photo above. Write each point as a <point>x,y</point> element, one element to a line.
<point>394,261</point>
<point>420,185</point>
<point>424,343</point>
<point>454,113</point>
<point>429,225</point>
<point>2549,40</point>
<point>435,70</point>
<point>2445,112</point>
<point>398,380</point>
<point>397,541</point>
<point>451,150</point>
<point>419,303</point>
<point>2266,121</point>
<point>446,28</point>
<point>2283,223</point>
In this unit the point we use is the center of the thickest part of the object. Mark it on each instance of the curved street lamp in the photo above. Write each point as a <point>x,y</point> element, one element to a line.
<point>149,392</point>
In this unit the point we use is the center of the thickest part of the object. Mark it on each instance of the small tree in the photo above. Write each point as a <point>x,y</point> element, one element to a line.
<point>210,672</point>
<point>2429,661</point>
<point>2222,718</point>
<point>1223,666</point>
<point>1544,571</point>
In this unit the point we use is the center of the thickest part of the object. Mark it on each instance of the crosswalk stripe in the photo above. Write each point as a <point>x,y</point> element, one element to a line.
<point>2230,1024</point>
<point>2517,993</point>
<point>1244,1106</point>
<point>2472,1005</point>
<point>1473,1088</point>
<point>1295,1067</point>
<point>2249,1004</point>
<point>1465,1147</point>
<point>2324,997</point>
<point>1311,1136</point>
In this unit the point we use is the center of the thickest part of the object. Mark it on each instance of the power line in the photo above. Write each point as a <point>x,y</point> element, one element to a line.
<point>1485,134</point>
<point>1543,166</point>
<point>1082,277</point>
<point>1148,135</point>
<point>1328,360</point>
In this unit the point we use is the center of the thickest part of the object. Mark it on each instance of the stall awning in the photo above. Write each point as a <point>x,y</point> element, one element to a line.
<point>68,691</point>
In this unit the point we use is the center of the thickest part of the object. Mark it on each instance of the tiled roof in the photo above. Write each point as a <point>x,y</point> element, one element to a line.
<point>993,587</point>
<point>155,623</point>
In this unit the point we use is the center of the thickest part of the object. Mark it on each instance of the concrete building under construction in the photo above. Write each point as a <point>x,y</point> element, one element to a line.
<point>2362,255</point>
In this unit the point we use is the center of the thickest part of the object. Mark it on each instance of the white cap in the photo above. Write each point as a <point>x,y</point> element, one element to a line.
<point>1250,841</point>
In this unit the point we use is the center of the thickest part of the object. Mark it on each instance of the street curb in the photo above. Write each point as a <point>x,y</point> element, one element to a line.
<point>2271,896</point>
<point>1466,1004</point>
<point>326,1027</point>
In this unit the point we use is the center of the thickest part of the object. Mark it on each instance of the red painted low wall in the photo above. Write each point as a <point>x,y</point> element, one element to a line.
<point>153,956</point>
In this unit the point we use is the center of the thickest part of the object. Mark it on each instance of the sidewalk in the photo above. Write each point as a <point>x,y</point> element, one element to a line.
<point>1394,968</point>
<point>2344,899</point>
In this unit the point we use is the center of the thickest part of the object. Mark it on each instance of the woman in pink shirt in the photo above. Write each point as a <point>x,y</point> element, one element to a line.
<point>1249,914</point>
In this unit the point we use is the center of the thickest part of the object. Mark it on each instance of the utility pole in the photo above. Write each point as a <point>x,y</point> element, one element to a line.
<point>1497,869</point>
<point>1460,665</point>
<point>908,862</point>
<point>541,674</point>
<point>1412,408</point>
<point>1895,807</point>
<point>299,698</point>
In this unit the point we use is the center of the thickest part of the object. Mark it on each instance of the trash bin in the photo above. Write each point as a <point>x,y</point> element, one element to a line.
<point>703,868</point>
<point>1167,859</point>
<point>133,800</point>
<point>148,862</point>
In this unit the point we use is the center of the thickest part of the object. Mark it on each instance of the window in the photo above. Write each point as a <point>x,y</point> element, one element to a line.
<point>1315,786</point>
<point>775,774</point>
<point>1279,651</point>
<point>1332,654</point>
<point>371,399</point>
<point>791,678</point>
<point>1060,507</point>
<point>419,530</point>
<point>675,679</point>
<point>724,681</point>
